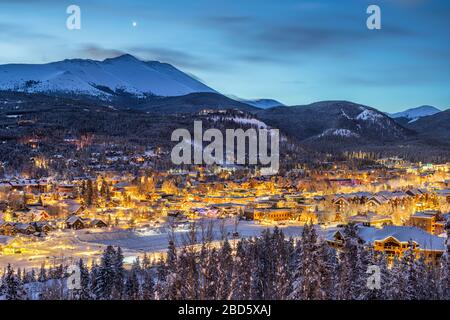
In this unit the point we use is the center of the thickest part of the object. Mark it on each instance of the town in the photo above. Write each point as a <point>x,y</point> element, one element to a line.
<point>50,221</point>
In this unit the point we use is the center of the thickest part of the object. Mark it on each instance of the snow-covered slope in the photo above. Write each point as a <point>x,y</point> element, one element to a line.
<point>416,113</point>
<point>124,74</point>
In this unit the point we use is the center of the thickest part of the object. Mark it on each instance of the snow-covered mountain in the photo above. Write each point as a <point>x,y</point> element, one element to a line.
<point>414,114</point>
<point>338,119</point>
<point>122,75</point>
<point>263,103</point>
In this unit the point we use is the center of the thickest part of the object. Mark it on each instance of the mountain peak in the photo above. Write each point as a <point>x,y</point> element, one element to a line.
<point>123,57</point>
<point>416,113</point>
<point>124,74</point>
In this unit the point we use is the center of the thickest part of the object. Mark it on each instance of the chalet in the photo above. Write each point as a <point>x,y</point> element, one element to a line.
<point>444,194</point>
<point>416,192</point>
<point>376,201</point>
<point>394,241</point>
<point>13,228</point>
<point>341,201</point>
<point>25,228</point>
<point>8,229</point>
<point>97,223</point>
<point>229,208</point>
<point>43,227</point>
<point>72,207</point>
<point>66,190</point>
<point>75,222</point>
<point>371,219</point>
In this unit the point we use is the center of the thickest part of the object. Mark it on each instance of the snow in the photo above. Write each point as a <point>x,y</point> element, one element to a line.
<point>70,245</point>
<point>89,76</point>
<point>369,115</point>
<point>345,133</point>
<point>415,113</point>
<point>249,121</point>
<point>263,103</point>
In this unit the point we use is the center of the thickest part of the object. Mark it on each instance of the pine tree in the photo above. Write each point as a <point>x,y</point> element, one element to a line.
<point>42,274</point>
<point>225,271</point>
<point>162,288</point>
<point>106,276</point>
<point>307,277</point>
<point>348,269</point>
<point>132,286</point>
<point>241,282</point>
<point>119,272</point>
<point>210,275</point>
<point>13,286</point>
<point>188,272</point>
<point>172,278</point>
<point>148,285</point>
<point>396,287</point>
<point>83,293</point>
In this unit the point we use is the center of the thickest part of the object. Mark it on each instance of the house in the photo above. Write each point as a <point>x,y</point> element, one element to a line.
<point>13,228</point>
<point>97,223</point>
<point>371,219</point>
<point>25,228</point>
<point>75,222</point>
<point>430,221</point>
<point>8,228</point>
<point>43,227</point>
<point>394,241</point>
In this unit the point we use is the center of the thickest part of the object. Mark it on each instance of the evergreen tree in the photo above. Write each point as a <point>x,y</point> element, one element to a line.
<point>132,286</point>
<point>119,272</point>
<point>106,275</point>
<point>12,286</point>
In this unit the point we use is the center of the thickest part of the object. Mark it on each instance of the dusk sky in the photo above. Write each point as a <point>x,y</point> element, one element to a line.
<point>294,51</point>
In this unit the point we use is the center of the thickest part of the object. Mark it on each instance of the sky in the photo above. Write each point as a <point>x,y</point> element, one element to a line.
<point>295,51</point>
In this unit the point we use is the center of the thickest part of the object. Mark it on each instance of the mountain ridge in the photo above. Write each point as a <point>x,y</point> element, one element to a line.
<point>124,74</point>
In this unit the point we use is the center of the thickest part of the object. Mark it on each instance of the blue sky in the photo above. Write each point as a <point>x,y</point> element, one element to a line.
<point>296,51</point>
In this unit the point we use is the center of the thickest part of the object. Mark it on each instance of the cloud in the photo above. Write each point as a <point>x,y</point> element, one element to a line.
<point>96,52</point>
<point>278,41</point>
<point>17,32</point>
<point>177,58</point>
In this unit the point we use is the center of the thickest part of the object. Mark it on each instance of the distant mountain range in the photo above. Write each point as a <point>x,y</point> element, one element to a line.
<point>262,103</point>
<point>127,83</point>
<point>326,120</point>
<point>413,114</point>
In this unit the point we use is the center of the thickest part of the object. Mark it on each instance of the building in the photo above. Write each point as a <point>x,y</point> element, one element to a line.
<point>269,214</point>
<point>430,221</point>
<point>394,241</point>
<point>371,219</point>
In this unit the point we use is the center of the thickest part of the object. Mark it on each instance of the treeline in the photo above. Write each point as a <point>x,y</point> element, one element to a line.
<point>266,267</point>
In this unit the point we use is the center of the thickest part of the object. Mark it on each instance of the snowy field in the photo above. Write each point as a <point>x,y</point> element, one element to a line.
<point>67,246</point>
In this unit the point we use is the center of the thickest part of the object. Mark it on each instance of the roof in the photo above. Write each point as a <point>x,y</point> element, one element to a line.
<point>403,234</point>
<point>368,217</point>
<point>73,219</point>
<point>4,240</point>
<point>424,239</point>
